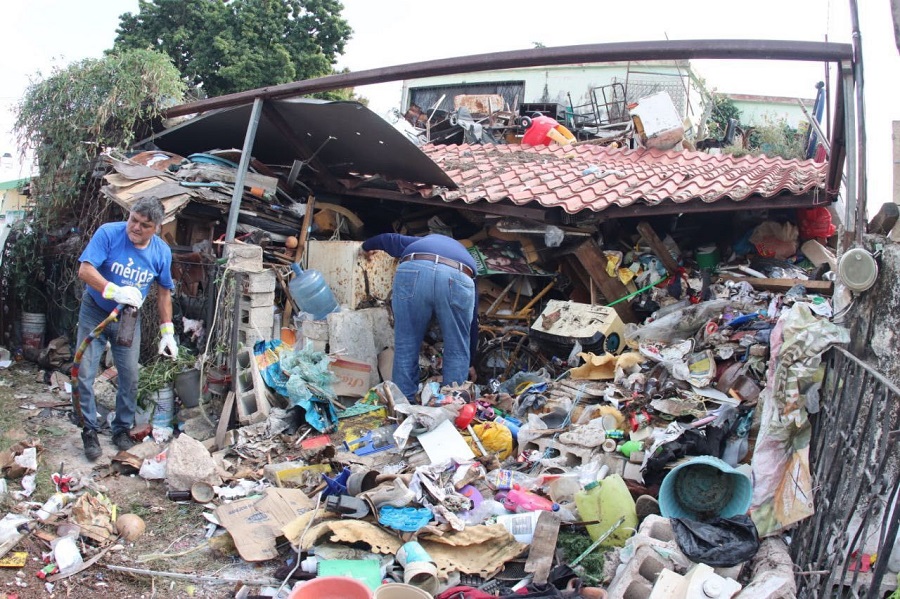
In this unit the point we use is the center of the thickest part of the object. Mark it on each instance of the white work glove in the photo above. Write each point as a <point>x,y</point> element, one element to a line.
<point>167,345</point>
<point>130,296</point>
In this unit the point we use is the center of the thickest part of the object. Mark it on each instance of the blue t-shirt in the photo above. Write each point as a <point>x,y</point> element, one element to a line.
<point>119,262</point>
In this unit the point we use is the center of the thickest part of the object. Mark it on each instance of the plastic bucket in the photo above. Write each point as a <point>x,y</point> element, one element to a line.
<point>703,488</point>
<point>187,387</point>
<point>165,407</point>
<point>332,587</point>
<point>34,326</point>
<point>396,590</point>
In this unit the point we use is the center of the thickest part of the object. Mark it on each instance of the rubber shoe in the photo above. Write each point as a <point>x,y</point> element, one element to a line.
<point>92,449</point>
<point>645,506</point>
<point>122,441</point>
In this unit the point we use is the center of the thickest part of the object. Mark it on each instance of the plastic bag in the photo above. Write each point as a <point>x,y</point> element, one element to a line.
<point>496,438</point>
<point>775,240</point>
<point>721,542</point>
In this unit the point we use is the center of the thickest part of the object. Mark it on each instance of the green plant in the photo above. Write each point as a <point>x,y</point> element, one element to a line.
<point>159,374</point>
<point>68,118</point>
<point>23,271</point>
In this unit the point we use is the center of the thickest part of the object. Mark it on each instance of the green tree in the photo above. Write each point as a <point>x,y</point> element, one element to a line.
<point>722,110</point>
<point>226,46</point>
<point>67,119</point>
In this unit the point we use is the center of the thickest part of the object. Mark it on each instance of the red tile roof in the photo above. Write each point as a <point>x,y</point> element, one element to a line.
<point>593,177</point>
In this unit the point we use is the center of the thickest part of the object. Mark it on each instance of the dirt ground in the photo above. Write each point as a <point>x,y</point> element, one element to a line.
<point>175,529</point>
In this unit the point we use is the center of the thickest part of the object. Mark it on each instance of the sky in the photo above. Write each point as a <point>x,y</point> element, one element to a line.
<point>43,33</point>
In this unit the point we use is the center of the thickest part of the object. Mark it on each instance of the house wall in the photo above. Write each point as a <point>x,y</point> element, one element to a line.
<point>552,84</point>
<point>762,111</point>
<point>12,202</point>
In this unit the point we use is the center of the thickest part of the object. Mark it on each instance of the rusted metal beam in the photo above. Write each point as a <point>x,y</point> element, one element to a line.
<point>536,57</point>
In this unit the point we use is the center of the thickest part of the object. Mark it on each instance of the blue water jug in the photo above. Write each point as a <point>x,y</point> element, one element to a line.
<point>312,293</point>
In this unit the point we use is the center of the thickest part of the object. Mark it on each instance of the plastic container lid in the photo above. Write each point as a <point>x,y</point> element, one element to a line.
<point>591,485</point>
<point>858,269</point>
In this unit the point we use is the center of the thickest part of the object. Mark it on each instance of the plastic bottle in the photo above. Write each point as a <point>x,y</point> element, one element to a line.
<point>503,480</point>
<point>312,293</point>
<point>606,501</point>
<point>54,505</point>
<point>127,323</point>
<point>517,500</point>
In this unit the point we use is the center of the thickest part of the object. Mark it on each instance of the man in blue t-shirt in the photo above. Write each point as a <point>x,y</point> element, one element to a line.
<point>435,277</point>
<point>118,265</point>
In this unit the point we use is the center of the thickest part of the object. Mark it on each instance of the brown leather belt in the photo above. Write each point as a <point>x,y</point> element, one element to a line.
<point>463,268</point>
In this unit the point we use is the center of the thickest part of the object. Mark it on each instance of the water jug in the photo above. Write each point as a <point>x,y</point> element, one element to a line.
<point>606,502</point>
<point>312,293</point>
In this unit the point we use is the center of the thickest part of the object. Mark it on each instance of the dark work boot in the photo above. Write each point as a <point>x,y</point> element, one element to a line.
<point>92,449</point>
<point>122,441</point>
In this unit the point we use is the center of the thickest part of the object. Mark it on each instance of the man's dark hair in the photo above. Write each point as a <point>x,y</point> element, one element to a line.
<point>150,208</point>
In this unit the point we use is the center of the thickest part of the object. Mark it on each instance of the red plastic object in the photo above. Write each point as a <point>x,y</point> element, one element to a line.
<point>815,223</point>
<point>315,442</point>
<point>332,587</point>
<point>466,414</point>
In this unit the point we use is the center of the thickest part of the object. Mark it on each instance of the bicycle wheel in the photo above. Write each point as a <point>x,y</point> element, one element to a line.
<point>502,358</point>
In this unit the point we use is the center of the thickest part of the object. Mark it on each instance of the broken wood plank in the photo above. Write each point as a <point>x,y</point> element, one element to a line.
<point>301,248</point>
<point>883,222</point>
<point>224,420</point>
<point>783,285</point>
<point>543,547</point>
<point>659,248</point>
<point>593,260</point>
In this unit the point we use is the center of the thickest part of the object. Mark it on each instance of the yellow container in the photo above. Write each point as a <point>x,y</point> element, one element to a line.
<point>606,501</point>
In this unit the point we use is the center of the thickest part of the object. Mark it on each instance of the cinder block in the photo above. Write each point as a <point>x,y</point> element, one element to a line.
<point>243,257</point>
<point>250,389</point>
<point>633,472</point>
<point>249,336</point>
<point>258,300</point>
<point>259,282</point>
<point>261,318</point>
<point>636,578</point>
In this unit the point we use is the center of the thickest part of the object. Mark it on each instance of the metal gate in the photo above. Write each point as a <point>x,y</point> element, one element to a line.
<point>856,478</point>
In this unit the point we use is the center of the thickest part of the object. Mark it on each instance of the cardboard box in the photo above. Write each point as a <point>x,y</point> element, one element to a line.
<point>256,523</point>
<point>352,377</point>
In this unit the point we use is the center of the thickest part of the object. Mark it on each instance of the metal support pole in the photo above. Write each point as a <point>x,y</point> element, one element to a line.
<point>238,192</point>
<point>850,200</point>
<point>861,196</point>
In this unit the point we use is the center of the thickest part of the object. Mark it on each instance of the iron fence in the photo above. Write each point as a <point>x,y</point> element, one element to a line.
<point>857,477</point>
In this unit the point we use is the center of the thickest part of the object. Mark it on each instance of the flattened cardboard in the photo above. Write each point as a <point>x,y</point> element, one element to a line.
<point>255,523</point>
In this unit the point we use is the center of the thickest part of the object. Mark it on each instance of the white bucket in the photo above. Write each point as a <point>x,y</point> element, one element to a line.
<point>165,407</point>
<point>34,326</point>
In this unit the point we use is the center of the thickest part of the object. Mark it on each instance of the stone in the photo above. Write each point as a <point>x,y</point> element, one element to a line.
<point>350,334</point>
<point>188,462</point>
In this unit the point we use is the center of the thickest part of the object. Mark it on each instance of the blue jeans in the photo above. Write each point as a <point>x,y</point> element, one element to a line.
<point>421,290</point>
<point>125,359</point>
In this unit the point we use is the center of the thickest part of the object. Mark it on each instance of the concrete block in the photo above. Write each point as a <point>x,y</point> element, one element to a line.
<point>350,334</point>
<point>259,282</point>
<point>188,462</point>
<point>260,318</point>
<point>315,329</point>
<point>258,300</point>
<point>250,389</point>
<point>243,257</point>
<point>636,578</point>
<point>249,336</point>
<point>382,330</point>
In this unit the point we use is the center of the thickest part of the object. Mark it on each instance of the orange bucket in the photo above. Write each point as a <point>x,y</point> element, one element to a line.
<point>332,587</point>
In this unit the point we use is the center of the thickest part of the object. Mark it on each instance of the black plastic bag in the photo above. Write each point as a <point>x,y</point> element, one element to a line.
<point>718,542</point>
